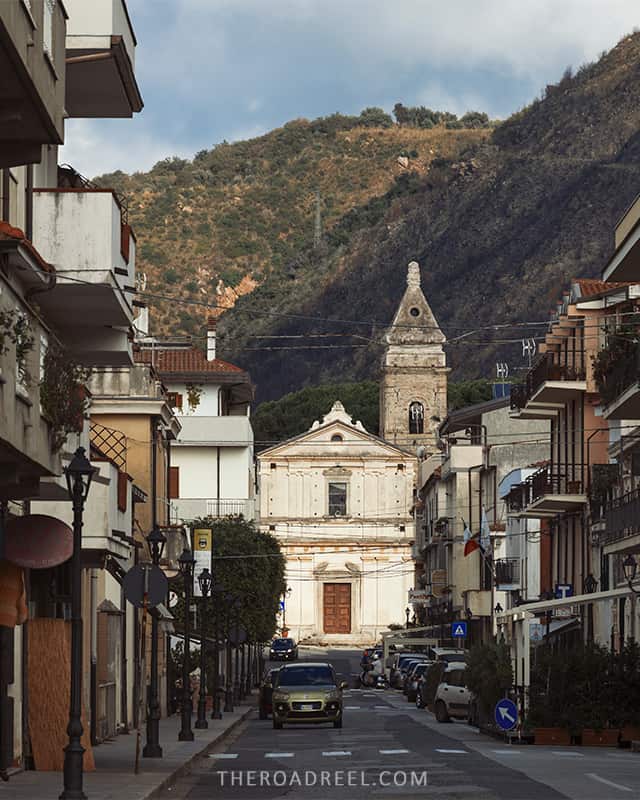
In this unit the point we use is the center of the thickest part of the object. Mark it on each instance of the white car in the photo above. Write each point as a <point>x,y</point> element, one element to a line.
<point>452,696</point>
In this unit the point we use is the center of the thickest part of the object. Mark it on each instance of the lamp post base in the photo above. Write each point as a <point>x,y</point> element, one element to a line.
<point>185,736</point>
<point>228,700</point>
<point>151,750</point>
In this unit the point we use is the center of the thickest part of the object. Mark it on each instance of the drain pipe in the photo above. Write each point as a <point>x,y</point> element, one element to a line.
<point>94,656</point>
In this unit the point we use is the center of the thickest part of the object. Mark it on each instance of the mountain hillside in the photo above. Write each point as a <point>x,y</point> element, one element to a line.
<point>498,229</point>
<point>215,228</point>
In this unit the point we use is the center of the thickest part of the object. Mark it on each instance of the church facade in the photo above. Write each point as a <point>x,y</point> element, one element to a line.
<point>341,500</point>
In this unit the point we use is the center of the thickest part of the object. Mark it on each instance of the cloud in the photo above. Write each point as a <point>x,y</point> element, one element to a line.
<point>218,69</point>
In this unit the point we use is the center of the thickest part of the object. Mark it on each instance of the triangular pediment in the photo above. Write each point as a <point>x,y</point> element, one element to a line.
<point>414,322</point>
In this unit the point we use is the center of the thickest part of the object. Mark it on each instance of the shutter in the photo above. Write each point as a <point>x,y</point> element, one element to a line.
<point>174,483</point>
<point>123,482</point>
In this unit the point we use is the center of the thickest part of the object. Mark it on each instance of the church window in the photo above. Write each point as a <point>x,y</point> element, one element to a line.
<point>415,312</point>
<point>337,499</point>
<point>416,418</point>
<point>337,437</point>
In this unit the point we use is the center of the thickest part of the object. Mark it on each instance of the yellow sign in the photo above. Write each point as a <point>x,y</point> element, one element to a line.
<point>202,539</point>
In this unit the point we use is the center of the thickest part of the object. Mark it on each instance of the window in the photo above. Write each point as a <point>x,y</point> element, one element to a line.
<point>337,437</point>
<point>47,34</point>
<point>174,483</point>
<point>337,499</point>
<point>175,400</point>
<point>416,418</point>
<point>123,486</point>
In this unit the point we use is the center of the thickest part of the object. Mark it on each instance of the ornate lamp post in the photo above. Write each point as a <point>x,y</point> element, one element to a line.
<point>407,611</point>
<point>215,712</point>
<point>78,474</point>
<point>204,579</point>
<point>155,542</point>
<point>630,567</point>
<point>186,562</point>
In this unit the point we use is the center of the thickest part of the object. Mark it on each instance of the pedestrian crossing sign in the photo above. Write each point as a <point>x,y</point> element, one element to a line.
<point>459,630</point>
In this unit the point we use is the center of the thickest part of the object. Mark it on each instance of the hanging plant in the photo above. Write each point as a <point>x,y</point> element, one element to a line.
<point>16,329</point>
<point>194,393</point>
<point>63,393</point>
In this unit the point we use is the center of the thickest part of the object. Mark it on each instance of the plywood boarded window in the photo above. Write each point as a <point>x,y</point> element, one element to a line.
<point>174,483</point>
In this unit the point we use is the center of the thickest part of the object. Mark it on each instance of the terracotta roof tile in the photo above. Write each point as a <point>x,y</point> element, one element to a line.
<point>175,362</point>
<point>10,233</point>
<point>591,286</point>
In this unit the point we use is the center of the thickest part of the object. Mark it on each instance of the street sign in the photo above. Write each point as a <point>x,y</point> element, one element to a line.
<point>134,585</point>
<point>459,630</point>
<point>536,632</point>
<point>506,714</point>
<point>418,596</point>
<point>202,546</point>
<point>563,590</point>
<point>282,605</point>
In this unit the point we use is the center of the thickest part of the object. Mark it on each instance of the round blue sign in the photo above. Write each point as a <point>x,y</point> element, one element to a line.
<point>506,714</point>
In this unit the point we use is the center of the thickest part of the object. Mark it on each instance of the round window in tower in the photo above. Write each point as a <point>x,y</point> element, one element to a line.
<point>337,437</point>
<point>415,312</point>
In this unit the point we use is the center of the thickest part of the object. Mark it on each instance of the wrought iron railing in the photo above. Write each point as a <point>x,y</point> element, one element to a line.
<point>507,572</point>
<point>546,369</point>
<point>547,480</point>
<point>617,366</point>
<point>622,517</point>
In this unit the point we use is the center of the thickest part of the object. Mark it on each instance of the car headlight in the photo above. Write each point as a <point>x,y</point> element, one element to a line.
<point>280,696</point>
<point>332,696</point>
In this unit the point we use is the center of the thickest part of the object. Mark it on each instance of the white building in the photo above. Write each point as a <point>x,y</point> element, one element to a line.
<point>340,502</point>
<point>212,470</point>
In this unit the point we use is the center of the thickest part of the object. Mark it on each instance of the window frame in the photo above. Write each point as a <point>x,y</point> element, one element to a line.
<point>340,483</point>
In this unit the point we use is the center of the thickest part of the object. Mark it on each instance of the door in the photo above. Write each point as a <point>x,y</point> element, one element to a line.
<point>337,607</point>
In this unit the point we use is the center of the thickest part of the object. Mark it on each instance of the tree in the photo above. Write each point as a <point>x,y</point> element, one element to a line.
<point>401,113</point>
<point>375,117</point>
<point>475,119</point>
<point>468,393</point>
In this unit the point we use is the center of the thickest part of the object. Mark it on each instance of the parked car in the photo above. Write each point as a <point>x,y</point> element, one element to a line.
<point>412,680</point>
<point>428,683</point>
<point>399,661</point>
<point>452,696</point>
<point>266,691</point>
<point>447,654</point>
<point>283,649</point>
<point>407,671</point>
<point>307,693</point>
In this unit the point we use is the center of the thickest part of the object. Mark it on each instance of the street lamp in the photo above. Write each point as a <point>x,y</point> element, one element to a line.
<point>186,563</point>
<point>286,594</point>
<point>155,542</point>
<point>630,567</point>
<point>204,581</point>
<point>498,609</point>
<point>407,611</point>
<point>590,584</point>
<point>78,475</point>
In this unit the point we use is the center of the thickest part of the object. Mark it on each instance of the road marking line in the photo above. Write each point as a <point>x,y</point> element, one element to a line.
<point>352,708</point>
<point>223,755</point>
<point>279,755</point>
<point>337,753</point>
<point>451,751</point>
<point>385,707</point>
<point>568,753</point>
<point>507,752</point>
<point>618,786</point>
<point>392,752</point>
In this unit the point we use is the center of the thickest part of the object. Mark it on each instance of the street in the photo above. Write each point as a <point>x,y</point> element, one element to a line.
<point>388,748</point>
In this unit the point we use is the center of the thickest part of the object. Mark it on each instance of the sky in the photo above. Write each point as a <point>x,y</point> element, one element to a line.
<point>214,70</point>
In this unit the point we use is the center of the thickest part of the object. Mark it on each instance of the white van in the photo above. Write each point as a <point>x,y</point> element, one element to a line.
<point>452,696</point>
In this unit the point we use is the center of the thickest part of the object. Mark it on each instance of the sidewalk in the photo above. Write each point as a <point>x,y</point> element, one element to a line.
<point>114,778</point>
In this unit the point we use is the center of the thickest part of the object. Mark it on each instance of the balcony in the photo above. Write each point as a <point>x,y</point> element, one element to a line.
<point>101,52</point>
<point>230,431</point>
<point>548,386</point>
<point>622,518</point>
<point>185,509</point>
<point>617,374</point>
<point>84,234</point>
<point>462,458</point>
<point>507,574</point>
<point>32,84</point>
<point>548,493</point>
<point>625,262</point>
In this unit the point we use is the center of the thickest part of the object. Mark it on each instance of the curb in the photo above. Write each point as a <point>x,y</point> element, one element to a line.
<point>185,768</point>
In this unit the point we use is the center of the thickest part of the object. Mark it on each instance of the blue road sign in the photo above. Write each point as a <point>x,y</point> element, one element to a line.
<point>459,630</point>
<point>282,605</point>
<point>563,590</point>
<point>506,714</point>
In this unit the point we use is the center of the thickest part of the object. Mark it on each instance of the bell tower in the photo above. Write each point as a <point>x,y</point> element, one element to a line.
<point>413,385</point>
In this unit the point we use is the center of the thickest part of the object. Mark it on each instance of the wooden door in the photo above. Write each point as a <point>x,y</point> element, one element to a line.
<point>337,608</point>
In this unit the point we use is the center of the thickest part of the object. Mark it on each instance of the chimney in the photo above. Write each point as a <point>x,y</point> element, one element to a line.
<point>211,338</point>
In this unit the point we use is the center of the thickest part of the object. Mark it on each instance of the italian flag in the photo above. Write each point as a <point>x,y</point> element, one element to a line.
<point>471,543</point>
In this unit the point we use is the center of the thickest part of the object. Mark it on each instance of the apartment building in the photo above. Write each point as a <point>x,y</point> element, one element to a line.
<point>212,470</point>
<point>66,291</point>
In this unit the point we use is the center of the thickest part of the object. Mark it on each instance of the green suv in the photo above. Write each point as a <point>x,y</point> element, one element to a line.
<point>307,693</point>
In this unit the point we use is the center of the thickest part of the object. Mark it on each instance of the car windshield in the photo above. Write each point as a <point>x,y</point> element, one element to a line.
<point>306,676</point>
<point>420,669</point>
<point>282,644</point>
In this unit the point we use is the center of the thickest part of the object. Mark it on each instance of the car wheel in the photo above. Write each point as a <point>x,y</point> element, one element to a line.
<point>262,713</point>
<point>337,723</point>
<point>277,725</point>
<point>441,712</point>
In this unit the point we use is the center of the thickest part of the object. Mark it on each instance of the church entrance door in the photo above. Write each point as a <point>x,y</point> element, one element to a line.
<point>337,607</point>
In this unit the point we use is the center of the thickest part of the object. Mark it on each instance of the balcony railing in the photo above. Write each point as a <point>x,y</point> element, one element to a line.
<point>189,508</point>
<point>552,482</point>
<point>617,366</point>
<point>622,517</point>
<point>546,369</point>
<point>507,572</point>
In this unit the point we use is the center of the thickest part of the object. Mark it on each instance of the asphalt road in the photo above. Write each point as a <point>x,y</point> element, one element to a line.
<point>389,749</point>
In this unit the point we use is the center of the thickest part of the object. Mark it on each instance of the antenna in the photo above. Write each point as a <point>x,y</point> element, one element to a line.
<point>529,349</point>
<point>317,231</point>
<point>502,371</point>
